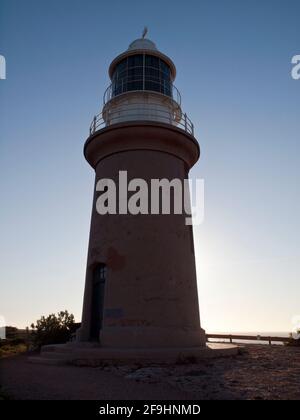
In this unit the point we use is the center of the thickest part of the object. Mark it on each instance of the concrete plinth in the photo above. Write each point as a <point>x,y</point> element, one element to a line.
<point>88,354</point>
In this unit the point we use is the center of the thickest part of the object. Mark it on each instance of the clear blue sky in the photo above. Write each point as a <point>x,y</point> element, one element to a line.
<point>233,61</point>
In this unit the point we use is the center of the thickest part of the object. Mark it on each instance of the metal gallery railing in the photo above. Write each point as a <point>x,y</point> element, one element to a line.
<point>139,112</point>
<point>142,84</point>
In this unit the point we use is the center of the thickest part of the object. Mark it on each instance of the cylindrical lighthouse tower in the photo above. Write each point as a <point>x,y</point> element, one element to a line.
<point>141,288</point>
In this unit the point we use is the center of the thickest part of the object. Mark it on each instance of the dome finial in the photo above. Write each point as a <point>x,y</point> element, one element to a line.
<point>145,31</point>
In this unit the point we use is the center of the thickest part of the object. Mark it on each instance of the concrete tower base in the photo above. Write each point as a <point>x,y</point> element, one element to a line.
<point>90,354</point>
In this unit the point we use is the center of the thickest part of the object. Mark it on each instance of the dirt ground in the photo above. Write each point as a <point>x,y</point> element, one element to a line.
<point>259,372</point>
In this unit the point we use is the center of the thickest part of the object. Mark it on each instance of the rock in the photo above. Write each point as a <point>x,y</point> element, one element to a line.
<point>149,374</point>
<point>196,373</point>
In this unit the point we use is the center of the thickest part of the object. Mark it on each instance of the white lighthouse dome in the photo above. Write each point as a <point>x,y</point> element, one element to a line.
<point>142,44</point>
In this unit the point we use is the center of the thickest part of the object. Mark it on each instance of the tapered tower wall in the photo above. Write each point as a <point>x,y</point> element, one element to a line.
<point>151,295</point>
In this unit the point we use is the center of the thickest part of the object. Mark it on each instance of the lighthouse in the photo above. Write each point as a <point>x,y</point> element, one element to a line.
<point>141,286</point>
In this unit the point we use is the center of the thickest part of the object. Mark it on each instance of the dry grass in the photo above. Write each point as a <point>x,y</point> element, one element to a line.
<point>8,350</point>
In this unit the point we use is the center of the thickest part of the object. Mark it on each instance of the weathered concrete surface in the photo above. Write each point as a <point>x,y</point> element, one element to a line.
<point>94,356</point>
<point>151,297</point>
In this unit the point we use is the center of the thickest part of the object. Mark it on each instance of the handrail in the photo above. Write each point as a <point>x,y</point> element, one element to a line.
<point>238,337</point>
<point>118,88</point>
<point>138,112</point>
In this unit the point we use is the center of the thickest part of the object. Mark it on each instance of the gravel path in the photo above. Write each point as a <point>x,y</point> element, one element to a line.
<point>26,381</point>
<point>259,372</point>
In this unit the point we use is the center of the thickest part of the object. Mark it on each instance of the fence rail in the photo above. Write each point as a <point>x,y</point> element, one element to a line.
<point>231,337</point>
<point>140,112</point>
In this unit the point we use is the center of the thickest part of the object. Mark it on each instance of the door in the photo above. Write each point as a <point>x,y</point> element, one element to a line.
<point>98,291</point>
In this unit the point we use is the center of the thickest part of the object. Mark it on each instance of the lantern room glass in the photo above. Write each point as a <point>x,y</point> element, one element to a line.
<point>142,72</point>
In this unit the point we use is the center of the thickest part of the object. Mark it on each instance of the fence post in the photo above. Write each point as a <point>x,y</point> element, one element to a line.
<point>27,339</point>
<point>185,122</point>
<point>270,341</point>
<point>230,339</point>
<point>94,124</point>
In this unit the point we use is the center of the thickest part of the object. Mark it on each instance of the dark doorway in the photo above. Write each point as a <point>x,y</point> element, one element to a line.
<point>98,290</point>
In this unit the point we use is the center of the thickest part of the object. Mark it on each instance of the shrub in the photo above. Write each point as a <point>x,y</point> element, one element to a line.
<point>53,329</point>
<point>7,349</point>
<point>4,395</point>
<point>13,342</point>
<point>294,341</point>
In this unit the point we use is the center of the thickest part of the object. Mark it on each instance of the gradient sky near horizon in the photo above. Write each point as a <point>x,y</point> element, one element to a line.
<point>234,73</point>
